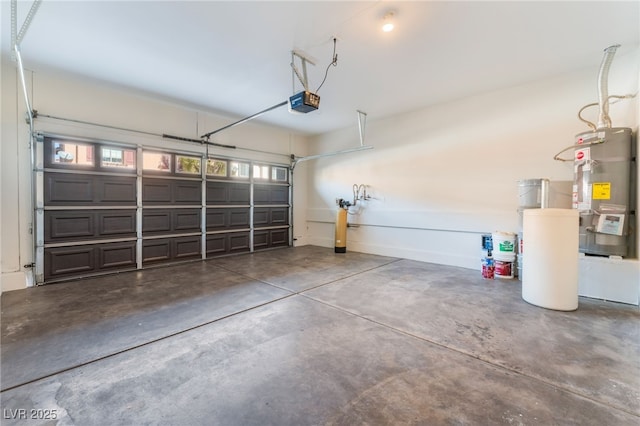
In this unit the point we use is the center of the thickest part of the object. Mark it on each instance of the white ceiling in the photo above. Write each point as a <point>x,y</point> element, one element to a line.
<point>233,57</point>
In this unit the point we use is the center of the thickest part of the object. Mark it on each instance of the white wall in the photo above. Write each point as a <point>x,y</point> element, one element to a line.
<point>443,175</point>
<point>63,95</point>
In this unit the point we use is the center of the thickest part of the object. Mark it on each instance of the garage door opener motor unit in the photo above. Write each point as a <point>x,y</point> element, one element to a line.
<point>304,102</point>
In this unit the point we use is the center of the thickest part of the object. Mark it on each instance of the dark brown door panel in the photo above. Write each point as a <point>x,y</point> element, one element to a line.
<point>238,218</point>
<point>112,189</point>
<point>68,189</point>
<point>116,255</point>
<point>120,223</point>
<point>239,193</point>
<point>279,237</point>
<point>156,191</point>
<point>260,239</point>
<point>187,220</point>
<point>155,221</point>
<point>261,216</point>
<point>216,219</point>
<point>217,192</point>
<point>216,244</point>
<point>239,242</point>
<point>69,225</point>
<point>185,247</point>
<point>279,216</point>
<point>156,250</point>
<point>187,192</point>
<point>61,261</point>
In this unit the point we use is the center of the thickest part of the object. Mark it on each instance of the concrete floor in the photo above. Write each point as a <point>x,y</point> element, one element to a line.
<point>305,336</point>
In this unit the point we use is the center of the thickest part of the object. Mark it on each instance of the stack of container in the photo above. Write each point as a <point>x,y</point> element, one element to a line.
<point>488,266</point>
<point>504,254</point>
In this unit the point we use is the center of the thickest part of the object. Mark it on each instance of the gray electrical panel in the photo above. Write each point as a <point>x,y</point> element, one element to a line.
<point>604,191</point>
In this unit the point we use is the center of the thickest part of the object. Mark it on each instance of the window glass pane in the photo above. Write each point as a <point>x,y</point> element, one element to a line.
<point>156,161</point>
<point>118,157</point>
<point>216,167</point>
<point>238,169</point>
<point>190,165</point>
<point>72,153</point>
<point>260,172</point>
<point>279,174</point>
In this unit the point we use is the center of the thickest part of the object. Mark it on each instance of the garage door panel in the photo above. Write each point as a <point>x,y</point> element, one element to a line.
<point>239,194</point>
<point>239,242</point>
<point>279,237</point>
<point>260,216</point>
<point>270,238</point>
<point>121,223</point>
<point>61,189</point>
<point>279,195</point>
<point>216,219</point>
<point>154,221</point>
<point>279,216</point>
<point>271,194</point>
<point>62,261</point>
<point>121,190</point>
<point>239,218</point>
<point>65,225</point>
<point>260,239</point>
<point>228,193</point>
<point>233,242</point>
<point>187,192</point>
<point>186,220</point>
<point>186,247</point>
<point>261,194</point>
<point>156,250</point>
<point>118,255</point>
<point>217,192</point>
<point>216,244</point>
<point>156,191</point>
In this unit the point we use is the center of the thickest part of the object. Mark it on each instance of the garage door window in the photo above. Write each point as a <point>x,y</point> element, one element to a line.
<point>216,167</point>
<point>118,157</point>
<point>71,154</point>
<point>156,161</point>
<point>240,170</point>
<point>261,172</point>
<point>279,174</point>
<point>188,165</point>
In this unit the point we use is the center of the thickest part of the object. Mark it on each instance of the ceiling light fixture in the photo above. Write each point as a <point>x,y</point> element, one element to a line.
<point>387,22</point>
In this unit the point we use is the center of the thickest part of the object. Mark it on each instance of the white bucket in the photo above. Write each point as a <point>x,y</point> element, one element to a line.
<point>504,246</point>
<point>503,269</point>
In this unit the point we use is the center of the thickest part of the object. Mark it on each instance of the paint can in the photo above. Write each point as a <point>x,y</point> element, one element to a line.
<point>504,246</point>
<point>503,269</point>
<point>488,267</point>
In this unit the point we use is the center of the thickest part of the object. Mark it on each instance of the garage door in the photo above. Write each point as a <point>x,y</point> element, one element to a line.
<point>109,207</point>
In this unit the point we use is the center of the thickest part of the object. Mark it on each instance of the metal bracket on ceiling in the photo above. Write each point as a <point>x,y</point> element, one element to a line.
<point>304,58</point>
<point>362,122</point>
<point>16,38</point>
